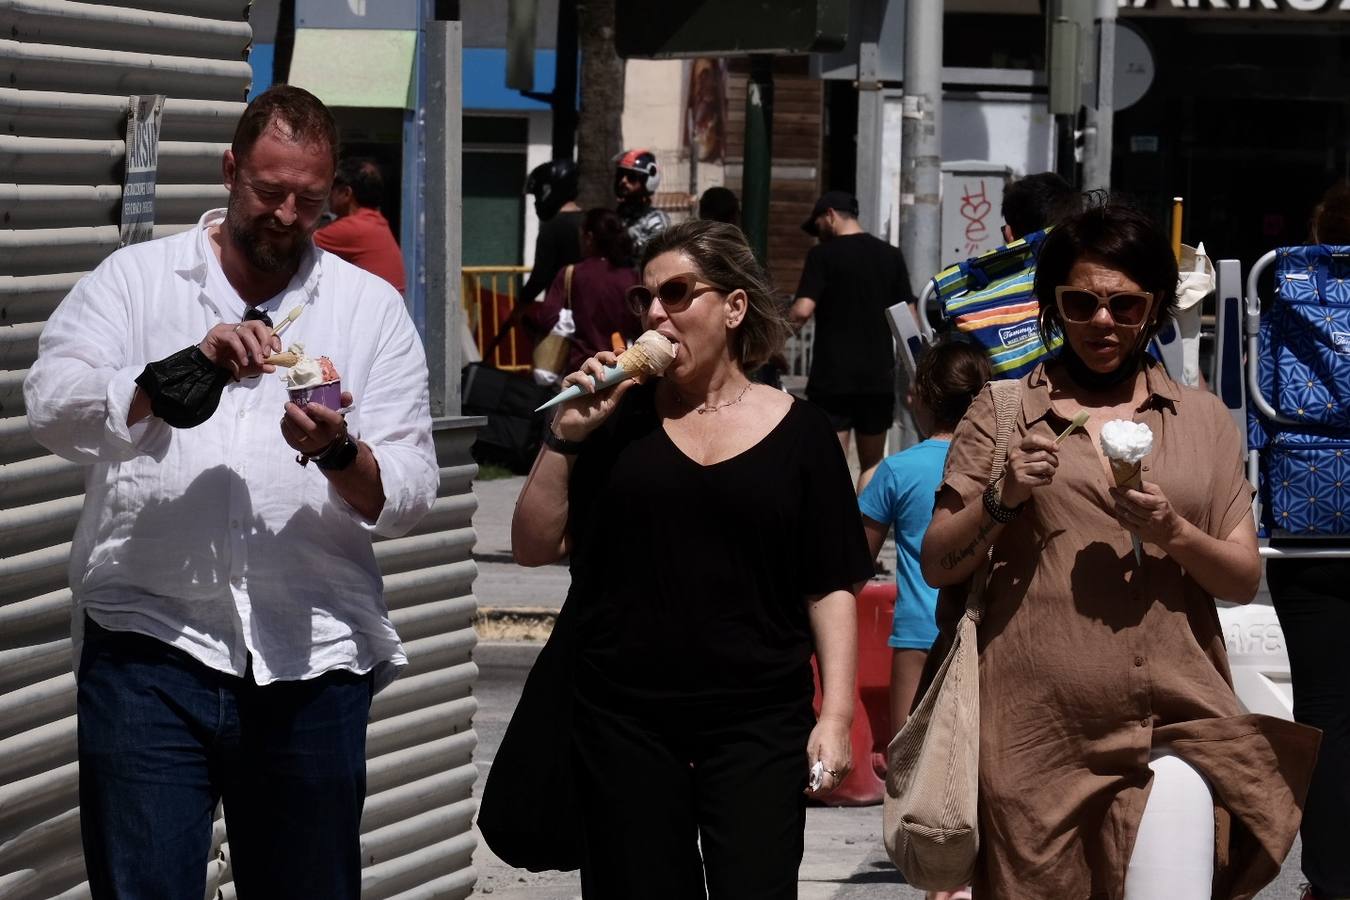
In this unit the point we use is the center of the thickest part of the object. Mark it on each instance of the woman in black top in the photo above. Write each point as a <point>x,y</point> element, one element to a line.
<point>715,543</point>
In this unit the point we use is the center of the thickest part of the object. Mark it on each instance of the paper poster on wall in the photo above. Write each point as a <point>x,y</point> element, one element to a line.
<point>705,112</point>
<point>138,186</point>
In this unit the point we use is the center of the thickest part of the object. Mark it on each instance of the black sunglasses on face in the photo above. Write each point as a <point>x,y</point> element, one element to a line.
<point>1128,309</point>
<point>675,293</point>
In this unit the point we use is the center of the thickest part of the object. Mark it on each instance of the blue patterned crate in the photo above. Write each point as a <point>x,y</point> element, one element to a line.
<point>1305,486</point>
<point>1304,371</point>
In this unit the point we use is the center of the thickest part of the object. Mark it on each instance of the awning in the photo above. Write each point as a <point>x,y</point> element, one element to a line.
<point>484,82</point>
<point>368,68</point>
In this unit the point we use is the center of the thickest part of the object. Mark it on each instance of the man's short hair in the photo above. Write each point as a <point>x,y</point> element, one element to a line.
<point>362,175</point>
<point>1038,201</point>
<point>299,113</point>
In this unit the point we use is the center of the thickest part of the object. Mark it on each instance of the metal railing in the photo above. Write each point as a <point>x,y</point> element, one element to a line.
<point>489,294</point>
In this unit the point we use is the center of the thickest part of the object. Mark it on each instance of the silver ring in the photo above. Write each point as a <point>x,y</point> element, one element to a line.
<point>832,773</point>
<point>239,326</point>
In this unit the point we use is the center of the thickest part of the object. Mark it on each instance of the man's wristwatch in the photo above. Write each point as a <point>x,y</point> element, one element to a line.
<point>339,455</point>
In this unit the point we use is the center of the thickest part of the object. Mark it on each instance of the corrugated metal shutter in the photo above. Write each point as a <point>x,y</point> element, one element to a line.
<point>66,69</point>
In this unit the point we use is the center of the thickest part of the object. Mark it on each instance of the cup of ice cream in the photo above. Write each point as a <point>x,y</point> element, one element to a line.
<point>310,379</point>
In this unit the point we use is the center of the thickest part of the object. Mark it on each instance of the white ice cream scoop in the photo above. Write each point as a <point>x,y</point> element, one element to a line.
<point>1125,444</point>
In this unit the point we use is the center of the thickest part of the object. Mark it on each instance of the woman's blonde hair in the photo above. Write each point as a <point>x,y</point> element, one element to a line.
<point>724,258</point>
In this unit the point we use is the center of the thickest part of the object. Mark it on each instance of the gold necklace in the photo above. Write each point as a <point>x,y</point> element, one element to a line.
<point>709,409</point>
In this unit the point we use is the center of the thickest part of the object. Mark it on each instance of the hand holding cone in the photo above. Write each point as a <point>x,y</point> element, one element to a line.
<point>1125,444</point>
<point>651,354</point>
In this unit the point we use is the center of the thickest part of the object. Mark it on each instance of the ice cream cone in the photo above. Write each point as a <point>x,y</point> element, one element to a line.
<point>651,354</point>
<point>1125,443</point>
<point>286,359</point>
<point>1127,474</point>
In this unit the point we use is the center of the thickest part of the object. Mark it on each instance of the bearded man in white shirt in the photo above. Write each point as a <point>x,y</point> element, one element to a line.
<point>229,619</point>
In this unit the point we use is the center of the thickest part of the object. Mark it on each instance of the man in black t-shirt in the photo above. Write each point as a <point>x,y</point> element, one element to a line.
<point>849,280</point>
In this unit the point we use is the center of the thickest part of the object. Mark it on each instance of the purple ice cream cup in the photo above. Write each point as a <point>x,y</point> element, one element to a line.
<point>329,395</point>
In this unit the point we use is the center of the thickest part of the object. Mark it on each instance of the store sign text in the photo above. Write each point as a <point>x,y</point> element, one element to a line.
<point>1310,6</point>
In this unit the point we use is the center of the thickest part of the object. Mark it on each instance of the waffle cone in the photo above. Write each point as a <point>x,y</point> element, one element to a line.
<point>1127,474</point>
<point>640,360</point>
<point>286,359</point>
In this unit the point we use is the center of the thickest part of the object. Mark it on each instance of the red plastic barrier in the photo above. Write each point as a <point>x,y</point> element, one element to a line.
<point>871,710</point>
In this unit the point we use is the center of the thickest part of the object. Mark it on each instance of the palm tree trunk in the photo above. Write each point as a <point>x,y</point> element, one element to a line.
<point>600,121</point>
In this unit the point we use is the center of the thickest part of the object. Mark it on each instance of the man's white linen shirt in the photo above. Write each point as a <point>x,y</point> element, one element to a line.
<point>214,539</point>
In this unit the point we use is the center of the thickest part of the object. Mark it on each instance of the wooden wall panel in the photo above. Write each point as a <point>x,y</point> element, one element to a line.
<point>798,138</point>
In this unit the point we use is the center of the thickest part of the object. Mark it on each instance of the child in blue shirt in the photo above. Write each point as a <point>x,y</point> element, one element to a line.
<point>900,496</point>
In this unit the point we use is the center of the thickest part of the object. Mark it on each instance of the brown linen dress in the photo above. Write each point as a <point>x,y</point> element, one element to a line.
<point>1089,661</point>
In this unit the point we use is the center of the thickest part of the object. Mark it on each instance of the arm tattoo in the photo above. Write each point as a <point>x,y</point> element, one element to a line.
<point>956,557</point>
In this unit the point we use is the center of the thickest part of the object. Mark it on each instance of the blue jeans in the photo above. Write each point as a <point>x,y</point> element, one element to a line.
<point>163,738</point>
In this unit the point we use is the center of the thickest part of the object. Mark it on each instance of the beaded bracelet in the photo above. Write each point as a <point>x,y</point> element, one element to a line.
<point>997,511</point>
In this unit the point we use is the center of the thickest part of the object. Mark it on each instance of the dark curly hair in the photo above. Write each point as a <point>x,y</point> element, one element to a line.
<point>1115,234</point>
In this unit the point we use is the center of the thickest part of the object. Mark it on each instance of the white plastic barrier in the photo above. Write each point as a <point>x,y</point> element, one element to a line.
<point>1259,660</point>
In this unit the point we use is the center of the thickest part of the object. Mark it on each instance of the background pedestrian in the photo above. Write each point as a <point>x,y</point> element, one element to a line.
<point>848,281</point>
<point>900,496</point>
<point>596,292</point>
<point>1313,605</point>
<point>361,234</point>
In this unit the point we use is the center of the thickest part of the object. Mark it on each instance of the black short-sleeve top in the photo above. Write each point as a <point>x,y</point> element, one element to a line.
<point>691,580</point>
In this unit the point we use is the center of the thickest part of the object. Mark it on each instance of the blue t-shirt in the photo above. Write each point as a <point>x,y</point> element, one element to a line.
<point>901,494</point>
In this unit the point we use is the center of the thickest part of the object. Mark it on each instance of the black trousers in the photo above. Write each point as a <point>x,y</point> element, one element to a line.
<point>658,783</point>
<point>1312,599</point>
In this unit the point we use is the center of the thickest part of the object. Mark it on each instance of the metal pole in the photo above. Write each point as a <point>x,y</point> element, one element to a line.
<point>757,167</point>
<point>871,123</point>
<point>1099,135</point>
<point>921,144</point>
<point>920,168</point>
<point>444,206</point>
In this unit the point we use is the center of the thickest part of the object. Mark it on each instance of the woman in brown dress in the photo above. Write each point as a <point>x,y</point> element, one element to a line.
<point>1115,760</point>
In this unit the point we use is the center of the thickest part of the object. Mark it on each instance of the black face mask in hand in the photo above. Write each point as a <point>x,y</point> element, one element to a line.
<point>185,388</point>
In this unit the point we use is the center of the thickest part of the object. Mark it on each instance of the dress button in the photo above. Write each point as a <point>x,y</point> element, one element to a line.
<point>242,413</point>
<point>234,523</point>
<point>1138,660</point>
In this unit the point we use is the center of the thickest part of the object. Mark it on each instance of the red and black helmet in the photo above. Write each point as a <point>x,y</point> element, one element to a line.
<point>641,162</point>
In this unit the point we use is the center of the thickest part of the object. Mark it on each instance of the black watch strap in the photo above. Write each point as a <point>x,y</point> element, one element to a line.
<point>559,445</point>
<point>339,456</point>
